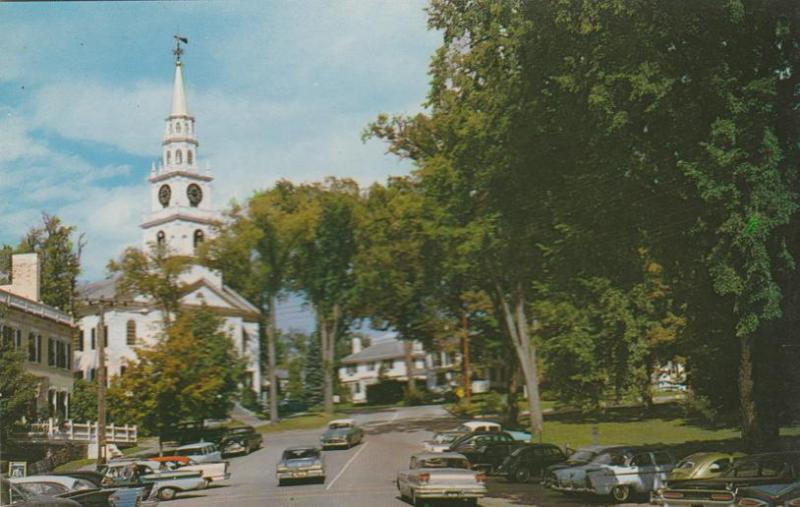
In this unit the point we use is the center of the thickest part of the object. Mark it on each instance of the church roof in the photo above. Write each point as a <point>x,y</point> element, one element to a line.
<point>178,94</point>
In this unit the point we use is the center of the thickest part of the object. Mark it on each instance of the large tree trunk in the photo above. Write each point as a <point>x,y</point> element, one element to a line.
<point>328,349</point>
<point>272,326</point>
<point>759,430</point>
<point>512,408</point>
<point>518,329</point>
<point>411,384</point>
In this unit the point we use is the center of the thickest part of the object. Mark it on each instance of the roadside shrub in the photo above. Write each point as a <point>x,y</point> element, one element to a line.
<point>414,398</point>
<point>249,400</point>
<point>462,408</point>
<point>493,403</point>
<point>700,409</point>
<point>385,392</point>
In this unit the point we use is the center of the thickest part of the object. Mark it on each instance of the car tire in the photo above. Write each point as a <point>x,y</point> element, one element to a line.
<point>621,493</point>
<point>521,474</point>
<point>166,494</point>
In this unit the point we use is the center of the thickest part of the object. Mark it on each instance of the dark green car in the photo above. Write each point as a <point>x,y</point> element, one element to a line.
<point>342,433</point>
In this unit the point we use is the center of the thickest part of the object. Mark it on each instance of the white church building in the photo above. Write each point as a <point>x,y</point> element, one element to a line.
<point>181,217</point>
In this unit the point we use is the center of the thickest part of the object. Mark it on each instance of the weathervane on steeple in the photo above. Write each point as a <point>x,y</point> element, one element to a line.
<point>178,51</point>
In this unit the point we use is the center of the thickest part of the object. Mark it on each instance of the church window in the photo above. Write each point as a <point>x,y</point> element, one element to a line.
<point>130,333</point>
<point>199,237</point>
<point>178,127</point>
<point>189,157</point>
<point>178,157</point>
<point>161,238</point>
<point>169,157</point>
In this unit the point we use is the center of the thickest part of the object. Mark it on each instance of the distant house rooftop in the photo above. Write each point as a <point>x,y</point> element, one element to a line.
<point>379,351</point>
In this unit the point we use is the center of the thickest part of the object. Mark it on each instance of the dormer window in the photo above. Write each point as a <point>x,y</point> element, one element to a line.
<point>189,157</point>
<point>178,157</point>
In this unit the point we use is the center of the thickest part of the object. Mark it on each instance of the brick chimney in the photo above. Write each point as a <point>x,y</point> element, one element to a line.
<point>25,276</point>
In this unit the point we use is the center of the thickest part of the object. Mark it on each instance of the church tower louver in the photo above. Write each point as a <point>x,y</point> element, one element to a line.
<point>181,215</point>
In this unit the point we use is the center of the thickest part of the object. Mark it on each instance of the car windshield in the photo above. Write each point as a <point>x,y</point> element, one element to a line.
<point>190,452</point>
<point>290,454</point>
<point>582,456</point>
<point>43,488</point>
<point>339,426</point>
<point>444,463</point>
<point>10,493</point>
<point>445,438</point>
<point>685,465</point>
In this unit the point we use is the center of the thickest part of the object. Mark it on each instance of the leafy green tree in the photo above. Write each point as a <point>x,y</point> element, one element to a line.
<point>154,273</point>
<point>254,250</point>
<point>83,401</point>
<point>314,376</point>
<point>323,267</point>
<point>17,387</point>
<point>191,373</point>
<point>59,248</point>
<point>396,264</point>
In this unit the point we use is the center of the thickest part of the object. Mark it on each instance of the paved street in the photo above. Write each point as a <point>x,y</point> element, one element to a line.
<point>361,476</point>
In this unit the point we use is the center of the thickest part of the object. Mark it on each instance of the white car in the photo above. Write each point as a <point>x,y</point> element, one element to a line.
<point>201,452</point>
<point>621,475</point>
<point>440,476</point>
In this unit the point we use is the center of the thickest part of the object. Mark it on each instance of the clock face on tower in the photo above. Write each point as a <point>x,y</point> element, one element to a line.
<point>195,194</point>
<point>164,195</point>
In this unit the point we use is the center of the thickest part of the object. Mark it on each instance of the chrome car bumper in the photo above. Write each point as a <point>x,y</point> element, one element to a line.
<point>300,474</point>
<point>449,492</point>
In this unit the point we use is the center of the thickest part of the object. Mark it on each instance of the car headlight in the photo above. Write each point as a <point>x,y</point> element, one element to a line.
<point>282,469</point>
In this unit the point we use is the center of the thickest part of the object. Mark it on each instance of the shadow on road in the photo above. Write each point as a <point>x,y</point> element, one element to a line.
<point>435,424</point>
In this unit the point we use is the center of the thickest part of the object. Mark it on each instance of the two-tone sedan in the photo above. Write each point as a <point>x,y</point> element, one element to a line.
<point>440,476</point>
<point>301,463</point>
<point>342,433</point>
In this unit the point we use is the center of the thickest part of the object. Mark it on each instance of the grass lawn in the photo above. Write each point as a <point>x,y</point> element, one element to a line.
<point>300,422</point>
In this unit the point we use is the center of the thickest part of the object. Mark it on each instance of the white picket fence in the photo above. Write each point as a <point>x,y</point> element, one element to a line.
<point>82,432</point>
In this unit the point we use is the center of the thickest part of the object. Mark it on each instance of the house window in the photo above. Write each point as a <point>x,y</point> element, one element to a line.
<point>122,370</point>
<point>419,364</point>
<point>17,339</point>
<point>38,348</point>
<point>61,360</point>
<point>79,340</point>
<point>69,356</point>
<point>92,374</point>
<point>130,333</point>
<point>32,347</point>
<point>51,352</point>
<point>387,364</point>
<point>94,338</point>
<point>351,370</point>
<point>357,388</point>
<point>199,237</point>
<point>105,336</point>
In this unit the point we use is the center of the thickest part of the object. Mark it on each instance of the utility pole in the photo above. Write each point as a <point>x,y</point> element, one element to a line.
<point>101,385</point>
<point>465,361</point>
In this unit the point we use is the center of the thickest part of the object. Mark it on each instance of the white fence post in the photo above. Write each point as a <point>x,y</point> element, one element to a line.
<point>70,430</point>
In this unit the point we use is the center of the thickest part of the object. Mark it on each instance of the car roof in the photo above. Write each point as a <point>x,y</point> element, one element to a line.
<point>45,478</point>
<point>342,421</point>
<point>438,455</point>
<point>472,424</point>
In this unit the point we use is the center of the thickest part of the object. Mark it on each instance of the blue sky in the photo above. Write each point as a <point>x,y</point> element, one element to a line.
<point>279,89</point>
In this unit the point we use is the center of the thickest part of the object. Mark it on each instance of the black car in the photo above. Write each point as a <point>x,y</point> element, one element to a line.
<point>530,461</point>
<point>489,457</point>
<point>286,407</point>
<point>242,439</point>
<point>471,442</point>
<point>12,496</point>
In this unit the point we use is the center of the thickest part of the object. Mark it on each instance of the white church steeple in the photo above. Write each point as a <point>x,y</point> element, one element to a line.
<point>181,214</point>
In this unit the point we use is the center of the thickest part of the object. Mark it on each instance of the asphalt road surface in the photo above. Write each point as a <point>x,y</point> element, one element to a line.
<point>362,476</point>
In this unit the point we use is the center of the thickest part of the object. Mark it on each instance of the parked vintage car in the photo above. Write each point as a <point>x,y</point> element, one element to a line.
<point>240,440</point>
<point>619,472</point>
<point>44,485</point>
<point>121,497</point>
<point>435,476</point>
<point>201,452</point>
<point>300,463</point>
<point>584,456</point>
<point>13,496</point>
<point>213,471</point>
<point>763,480</point>
<point>342,433</point>
<point>441,441</point>
<point>473,441</point>
<point>477,426</point>
<point>165,484</point>
<point>529,461</point>
<point>488,457</point>
<point>93,477</point>
<point>703,465</point>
